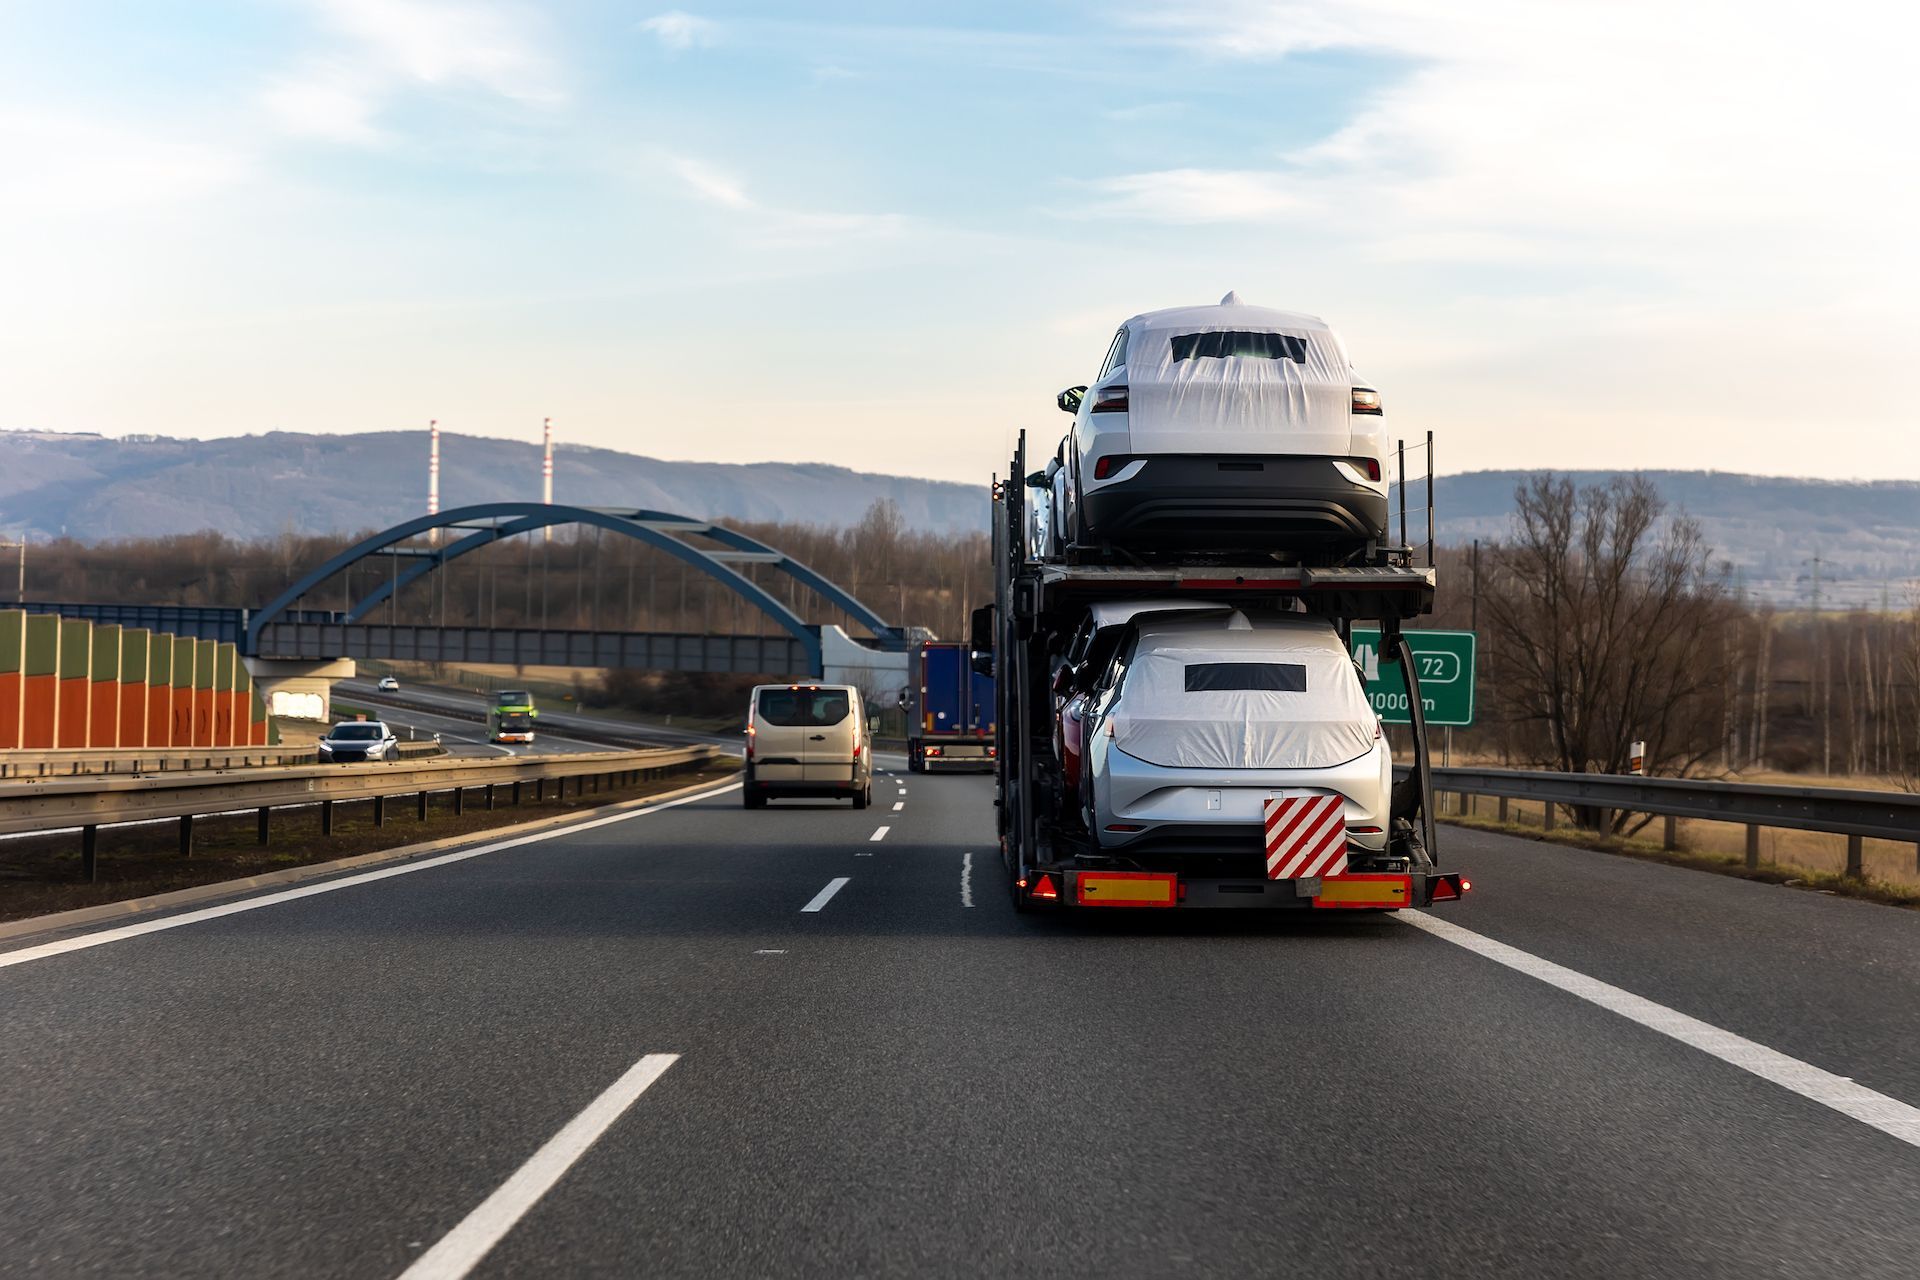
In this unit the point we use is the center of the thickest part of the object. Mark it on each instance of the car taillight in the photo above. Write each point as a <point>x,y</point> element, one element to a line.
<point>1104,467</point>
<point>1114,400</point>
<point>856,754</point>
<point>1365,400</point>
<point>1368,467</point>
<point>993,753</point>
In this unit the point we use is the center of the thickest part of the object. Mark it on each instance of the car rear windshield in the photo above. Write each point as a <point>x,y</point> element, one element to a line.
<point>1236,342</point>
<point>804,706</point>
<point>356,733</point>
<point>1217,677</point>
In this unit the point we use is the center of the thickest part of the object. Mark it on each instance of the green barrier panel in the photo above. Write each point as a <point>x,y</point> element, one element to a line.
<point>133,686</point>
<point>76,679</point>
<point>13,641</point>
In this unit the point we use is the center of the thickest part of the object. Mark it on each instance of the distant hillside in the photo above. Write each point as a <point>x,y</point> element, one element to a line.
<point>93,488</point>
<point>1867,535</point>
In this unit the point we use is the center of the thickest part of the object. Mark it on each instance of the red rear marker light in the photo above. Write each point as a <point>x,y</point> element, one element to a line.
<point>1365,831</point>
<point>1466,885</point>
<point>1044,891</point>
<point>1368,467</point>
<point>1106,466</point>
<point>992,752</point>
<point>1114,400</point>
<point>933,751</point>
<point>1125,826</point>
<point>856,753</point>
<point>1365,400</point>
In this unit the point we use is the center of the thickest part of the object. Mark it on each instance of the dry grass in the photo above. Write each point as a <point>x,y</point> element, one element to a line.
<point>1803,854</point>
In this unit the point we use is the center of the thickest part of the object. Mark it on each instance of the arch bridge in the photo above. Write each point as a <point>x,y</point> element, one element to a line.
<point>278,630</point>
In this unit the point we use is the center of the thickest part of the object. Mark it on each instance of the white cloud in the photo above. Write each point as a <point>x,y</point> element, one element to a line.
<point>775,227</point>
<point>1193,195</point>
<point>1621,131</point>
<point>70,167</point>
<point>680,31</point>
<point>386,47</point>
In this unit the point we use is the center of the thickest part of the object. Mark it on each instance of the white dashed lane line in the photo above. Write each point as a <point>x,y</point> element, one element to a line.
<point>825,896</point>
<point>898,805</point>
<point>881,834</point>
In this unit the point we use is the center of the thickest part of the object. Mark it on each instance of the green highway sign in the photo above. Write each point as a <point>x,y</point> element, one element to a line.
<point>1444,660</point>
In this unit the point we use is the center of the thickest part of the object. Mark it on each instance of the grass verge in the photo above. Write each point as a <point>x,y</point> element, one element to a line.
<point>41,874</point>
<point>1872,890</point>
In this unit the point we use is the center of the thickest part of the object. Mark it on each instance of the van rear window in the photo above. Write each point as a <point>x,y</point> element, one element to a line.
<point>1217,677</point>
<point>804,707</point>
<point>1237,342</point>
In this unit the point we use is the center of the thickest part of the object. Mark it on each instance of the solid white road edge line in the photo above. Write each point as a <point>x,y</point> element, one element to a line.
<point>820,899</point>
<point>1889,1115</point>
<point>966,880</point>
<point>881,834</point>
<point>84,941</point>
<point>461,1249</point>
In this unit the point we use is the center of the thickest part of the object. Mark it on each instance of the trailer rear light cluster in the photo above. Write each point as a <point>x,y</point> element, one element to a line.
<point>1365,400</point>
<point>993,753</point>
<point>1114,400</point>
<point>1113,462</point>
<point>1044,890</point>
<point>931,751</point>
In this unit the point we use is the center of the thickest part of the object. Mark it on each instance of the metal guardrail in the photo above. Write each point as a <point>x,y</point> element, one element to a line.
<point>93,802</point>
<point>77,761</point>
<point>1856,814</point>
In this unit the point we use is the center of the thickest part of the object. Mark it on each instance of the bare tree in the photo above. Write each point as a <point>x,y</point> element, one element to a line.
<point>1606,623</point>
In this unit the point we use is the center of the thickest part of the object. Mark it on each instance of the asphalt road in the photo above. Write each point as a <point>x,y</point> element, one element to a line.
<point>459,718</point>
<point>403,1072</point>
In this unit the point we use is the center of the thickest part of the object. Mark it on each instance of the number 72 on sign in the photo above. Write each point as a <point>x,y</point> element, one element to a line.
<point>1444,661</point>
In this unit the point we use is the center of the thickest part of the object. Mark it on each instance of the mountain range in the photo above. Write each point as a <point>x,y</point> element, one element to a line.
<point>1865,535</point>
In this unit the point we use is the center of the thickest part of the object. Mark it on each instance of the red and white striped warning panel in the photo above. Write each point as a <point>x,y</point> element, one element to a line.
<point>1306,836</point>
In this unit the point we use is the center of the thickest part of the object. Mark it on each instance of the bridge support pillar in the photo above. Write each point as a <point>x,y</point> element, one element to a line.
<point>299,690</point>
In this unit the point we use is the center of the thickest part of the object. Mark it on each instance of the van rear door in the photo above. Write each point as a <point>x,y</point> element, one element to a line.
<point>780,732</point>
<point>830,736</point>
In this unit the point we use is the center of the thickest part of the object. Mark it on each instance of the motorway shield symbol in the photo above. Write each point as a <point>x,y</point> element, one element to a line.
<point>1445,660</point>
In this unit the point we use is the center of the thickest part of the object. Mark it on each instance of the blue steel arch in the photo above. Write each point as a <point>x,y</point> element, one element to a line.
<point>490,522</point>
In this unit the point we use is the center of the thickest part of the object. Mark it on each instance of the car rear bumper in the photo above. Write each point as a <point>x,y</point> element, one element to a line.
<point>1196,501</point>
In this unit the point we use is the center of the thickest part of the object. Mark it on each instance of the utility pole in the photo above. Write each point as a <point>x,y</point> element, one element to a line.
<point>1474,624</point>
<point>1824,688</point>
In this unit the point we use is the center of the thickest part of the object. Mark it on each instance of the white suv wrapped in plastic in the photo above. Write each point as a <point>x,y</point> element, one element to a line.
<point>1225,428</point>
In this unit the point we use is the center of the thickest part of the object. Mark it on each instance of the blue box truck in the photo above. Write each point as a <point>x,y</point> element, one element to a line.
<point>950,711</point>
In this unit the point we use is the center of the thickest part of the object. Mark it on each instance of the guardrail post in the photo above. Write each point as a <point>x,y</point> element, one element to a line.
<point>1855,869</point>
<point>490,789</point>
<point>459,801</point>
<point>1670,842</point>
<point>1546,816</point>
<point>90,853</point>
<point>186,836</point>
<point>326,817</point>
<point>1503,808</point>
<point>423,806</point>
<point>515,801</point>
<point>379,811</point>
<point>539,789</point>
<point>261,834</point>
<point>1753,846</point>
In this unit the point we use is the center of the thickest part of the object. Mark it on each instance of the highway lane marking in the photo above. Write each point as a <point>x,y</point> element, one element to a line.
<point>821,898</point>
<point>463,1248</point>
<point>123,932</point>
<point>966,880</point>
<point>881,834</point>
<point>898,805</point>
<point>1889,1115</point>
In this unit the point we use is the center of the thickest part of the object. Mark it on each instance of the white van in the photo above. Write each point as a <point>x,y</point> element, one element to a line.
<point>807,740</point>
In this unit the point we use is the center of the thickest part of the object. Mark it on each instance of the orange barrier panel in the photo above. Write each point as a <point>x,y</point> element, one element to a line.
<point>13,641</point>
<point>224,661</point>
<point>160,691</point>
<point>76,681</point>
<point>40,682</point>
<point>203,662</point>
<point>133,686</point>
<point>184,656</point>
<point>103,693</point>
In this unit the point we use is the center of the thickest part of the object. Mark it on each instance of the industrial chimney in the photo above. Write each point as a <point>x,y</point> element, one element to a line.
<point>546,471</point>
<point>433,475</point>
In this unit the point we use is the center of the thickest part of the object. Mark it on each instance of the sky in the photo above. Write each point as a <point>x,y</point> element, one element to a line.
<point>1566,234</point>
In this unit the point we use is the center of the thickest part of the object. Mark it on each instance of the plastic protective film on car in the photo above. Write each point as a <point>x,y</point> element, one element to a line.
<point>1224,724</point>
